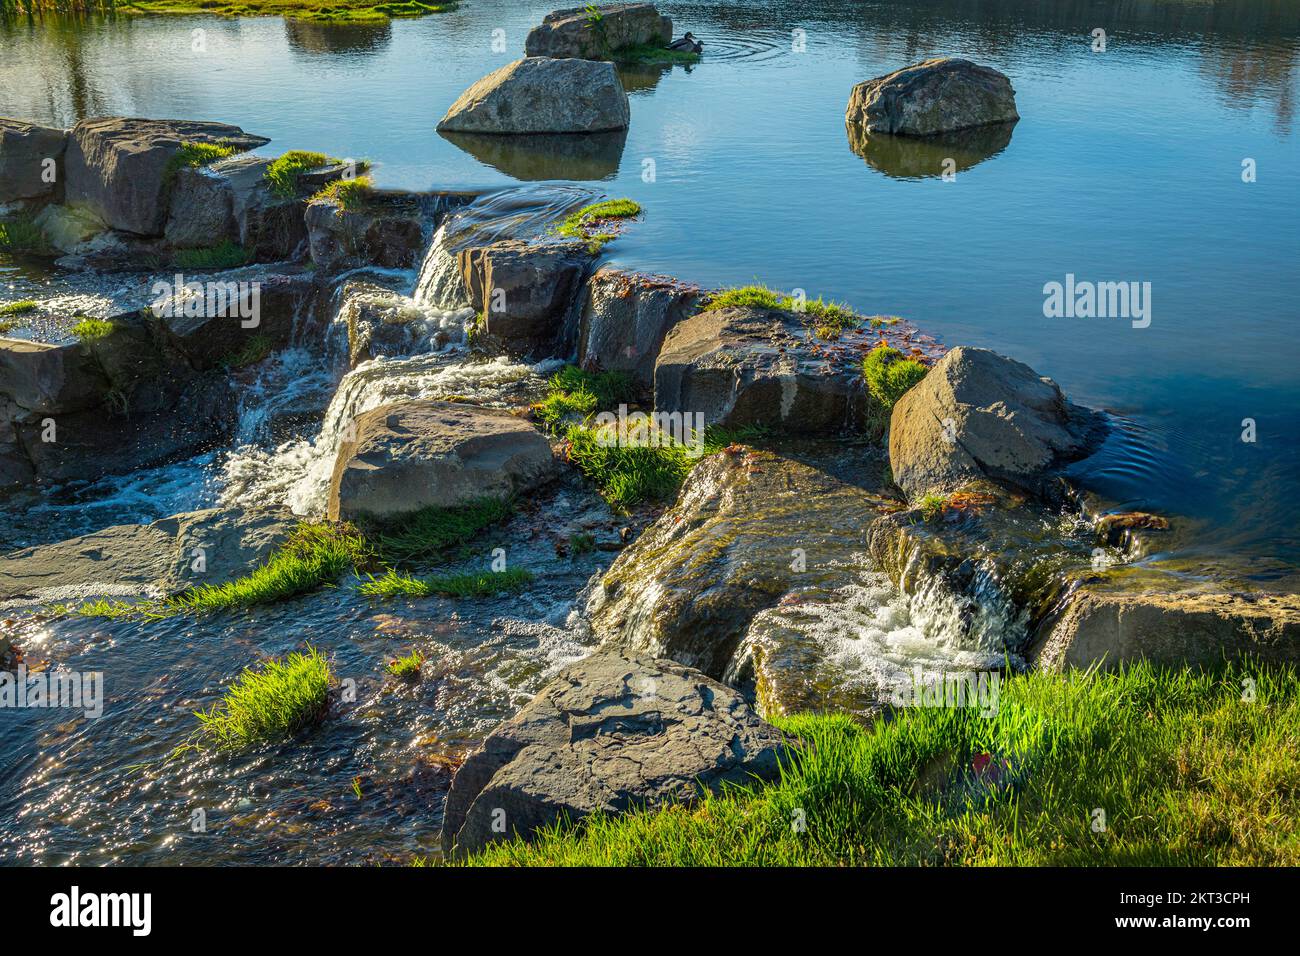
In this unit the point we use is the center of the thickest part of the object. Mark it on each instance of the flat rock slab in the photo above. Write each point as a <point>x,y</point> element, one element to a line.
<point>573,33</point>
<point>418,454</point>
<point>118,167</point>
<point>978,415</point>
<point>145,560</point>
<point>934,96</point>
<point>542,95</point>
<point>610,733</point>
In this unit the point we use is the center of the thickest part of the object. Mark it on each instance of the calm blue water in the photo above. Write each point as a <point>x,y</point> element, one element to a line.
<point>1125,166</point>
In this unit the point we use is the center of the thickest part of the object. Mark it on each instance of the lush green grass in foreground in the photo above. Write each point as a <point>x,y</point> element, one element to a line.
<point>574,392</point>
<point>474,584</point>
<point>1185,769</point>
<point>18,308</point>
<point>268,702</point>
<point>322,10</point>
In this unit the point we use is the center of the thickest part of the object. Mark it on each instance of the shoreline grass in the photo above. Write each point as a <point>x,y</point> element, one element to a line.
<point>471,584</point>
<point>21,235</point>
<point>267,703</point>
<point>1187,767</point>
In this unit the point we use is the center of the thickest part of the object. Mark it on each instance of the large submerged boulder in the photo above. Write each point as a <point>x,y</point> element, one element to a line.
<point>542,95</point>
<point>752,366</point>
<point>609,734</point>
<point>576,33</point>
<point>978,415</point>
<point>527,293</point>
<point>31,160</point>
<point>626,318</point>
<point>934,96</point>
<point>410,455</point>
<point>121,169</point>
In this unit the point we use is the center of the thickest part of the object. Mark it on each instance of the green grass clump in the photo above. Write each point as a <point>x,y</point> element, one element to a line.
<point>347,194</point>
<point>282,174</point>
<point>408,667</point>
<point>268,703</point>
<point>628,475</point>
<point>431,534</point>
<point>932,506</point>
<point>93,330</point>
<point>581,543</point>
<point>889,376</point>
<point>314,554</point>
<point>255,350</point>
<point>828,319</point>
<point>18,308</point>
<point>227,254</point>
<point>20,234</point>
<point>572,391</point>
<point>473,584</point>
<point>192,155</point>
<point>592,223</point>
<point>1186,769</point>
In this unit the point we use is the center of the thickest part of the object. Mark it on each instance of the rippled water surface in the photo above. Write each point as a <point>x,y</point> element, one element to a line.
<point>1126,165</point>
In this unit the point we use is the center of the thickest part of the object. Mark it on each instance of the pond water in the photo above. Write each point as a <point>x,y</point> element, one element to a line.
<point>1126,166</point>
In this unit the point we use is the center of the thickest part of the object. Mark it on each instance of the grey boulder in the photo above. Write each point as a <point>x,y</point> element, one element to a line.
<point>934,96</point>
<point>572,33</point>
<point>120,167</point>
<point>979,415</point>
<point>610,733</point>
<point>26,154</point>
<point>410,455</point>
<point>542,95</point>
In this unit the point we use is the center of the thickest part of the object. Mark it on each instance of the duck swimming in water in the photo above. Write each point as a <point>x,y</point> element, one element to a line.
<point>687,44</point>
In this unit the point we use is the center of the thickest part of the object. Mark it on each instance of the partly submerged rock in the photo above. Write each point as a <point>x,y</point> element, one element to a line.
<point>417,454</point>
<point>165,557</point>
<point>1108,627</point>
<point>542,95</point>
<point>626,318</point>
<point>750,366</point>
<point>609,734</point>
<point>528,294</point>
<point>31,161</point>
<point>120,168</point>
<point>979,415</point>
<point>934,96</point>
<point>575,32</point>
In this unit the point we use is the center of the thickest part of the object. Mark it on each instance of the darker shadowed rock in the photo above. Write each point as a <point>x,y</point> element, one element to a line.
<point>387,230</point>
<point>625,319</point>
<point>609,734</point>
<point>573,33</point>
<point>26,151</point>
<point>934,96</point>
<point>542,95</point>
<point>118,167</point>
<point>416,454</point>
<point>751,366</point>
<point>201,213</point>
<point>978,415</point>
<point>527,293</point>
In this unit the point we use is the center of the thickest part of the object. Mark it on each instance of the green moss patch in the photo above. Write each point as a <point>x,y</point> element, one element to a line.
<point>889,375</point>
<point>599,222</point>
<point>828,319</point>
<point>19,308</point>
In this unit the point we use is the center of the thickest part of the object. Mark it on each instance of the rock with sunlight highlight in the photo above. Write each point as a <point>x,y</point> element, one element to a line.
<point>542,95</point>
<point>934,96</point>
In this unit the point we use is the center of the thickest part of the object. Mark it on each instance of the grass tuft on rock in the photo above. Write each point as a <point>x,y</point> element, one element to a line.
<point>282,174</point>
<point>255,350</point>
<point>193,155</point>
<point>315,554</point>
<point>432,534</point>
<point>828,319</point>
<point>347,194</point>
<point>1189,768</point>
<point>407,668</point>
<point>889,375</point>
<point>472,584</point>
<point>227,254</point>
<point>19,308</point>
<point>268,703</point>
<point>93,330</point>
<point>597,223</point>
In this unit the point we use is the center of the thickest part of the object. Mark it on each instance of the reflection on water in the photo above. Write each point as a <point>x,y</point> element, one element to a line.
<point>546,155</point>
<point>911,157</point>
<point>305,36</point>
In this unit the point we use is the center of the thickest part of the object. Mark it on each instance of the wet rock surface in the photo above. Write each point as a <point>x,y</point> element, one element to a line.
<point>626,318</point>
<point>939,95</point>
<point>610,733</point>
<point>542,95</point>
<point>389,231</point>
<point>412,455</point>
